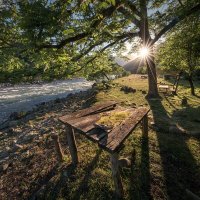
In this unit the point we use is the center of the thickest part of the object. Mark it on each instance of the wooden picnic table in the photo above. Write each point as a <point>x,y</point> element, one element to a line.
<point>85,123</point>
<point>164,87</point>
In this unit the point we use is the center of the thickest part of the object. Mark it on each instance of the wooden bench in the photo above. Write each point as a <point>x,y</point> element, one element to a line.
<point>84,122</point>
<point>164,87</point>
<point>170,88</point>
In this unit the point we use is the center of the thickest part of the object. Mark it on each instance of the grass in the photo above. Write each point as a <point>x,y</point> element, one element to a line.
<point>166,163</point>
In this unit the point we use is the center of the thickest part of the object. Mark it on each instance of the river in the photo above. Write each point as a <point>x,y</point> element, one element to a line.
<point>25,97</point>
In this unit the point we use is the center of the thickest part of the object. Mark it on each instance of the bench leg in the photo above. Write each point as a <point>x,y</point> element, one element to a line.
<point>72,144</point>
<point>116,175</point>
<point>145,125</point>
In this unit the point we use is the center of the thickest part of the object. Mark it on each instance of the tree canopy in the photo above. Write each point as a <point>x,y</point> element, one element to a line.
<point>181,49</point>
<point>65,36</point>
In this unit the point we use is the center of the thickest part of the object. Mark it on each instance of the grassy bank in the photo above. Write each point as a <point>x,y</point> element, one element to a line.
<point>166,164</point>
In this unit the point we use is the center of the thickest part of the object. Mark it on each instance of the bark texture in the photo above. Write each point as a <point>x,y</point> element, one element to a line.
<point>152,78</point>
<point>191,85</point>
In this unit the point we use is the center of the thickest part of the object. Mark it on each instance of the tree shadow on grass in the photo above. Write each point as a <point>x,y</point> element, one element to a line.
<point>145,168</point>
<point>140,183</point>
<point>83,187</point>
<point>170,103</point>
<point>61,184</point>
<point>178,163</point>
<point>189,119</point>
<point>68,175</point>
<point>42,182</point>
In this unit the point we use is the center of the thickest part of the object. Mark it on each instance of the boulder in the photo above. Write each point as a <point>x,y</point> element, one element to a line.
<point>127,89</point>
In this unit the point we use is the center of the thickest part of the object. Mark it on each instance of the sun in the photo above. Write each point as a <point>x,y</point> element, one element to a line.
<point>144,52</point>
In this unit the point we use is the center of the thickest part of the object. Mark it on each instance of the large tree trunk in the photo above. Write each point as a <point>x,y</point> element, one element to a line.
<point>146,41</point>
<point>152,78</point>
<point>191,84</point>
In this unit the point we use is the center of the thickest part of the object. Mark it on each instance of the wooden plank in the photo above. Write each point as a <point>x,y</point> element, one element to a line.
<point>124,133</point>
<point>120,133</point>
<point>96,134</point>
<point>84,124</point>
<point>127,123</point>
<point>88,111</point>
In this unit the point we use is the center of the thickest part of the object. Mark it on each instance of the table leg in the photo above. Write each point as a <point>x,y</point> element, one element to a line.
<point>116,175</point>
<point>58,147</point>
<point>145,125</point>
<point>72,144</point>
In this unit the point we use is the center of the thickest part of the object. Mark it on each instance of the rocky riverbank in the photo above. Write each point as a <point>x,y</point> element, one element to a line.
<point>16,118</point>
<point>25,140</point>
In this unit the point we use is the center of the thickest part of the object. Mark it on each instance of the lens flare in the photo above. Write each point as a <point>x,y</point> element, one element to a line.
<point>144,52</point>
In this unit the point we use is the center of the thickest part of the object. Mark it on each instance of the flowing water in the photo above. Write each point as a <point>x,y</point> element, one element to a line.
<point>24,97</point>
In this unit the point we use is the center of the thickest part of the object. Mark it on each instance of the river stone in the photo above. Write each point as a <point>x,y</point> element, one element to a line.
<point>17,146</point>
<point>4,154</point>
<point>14,116</point>
<point>58,100</point>
<point>13,123</point>
<point>5,166</point>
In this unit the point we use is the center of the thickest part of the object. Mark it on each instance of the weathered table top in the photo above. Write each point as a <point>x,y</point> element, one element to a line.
<point>85,122</point>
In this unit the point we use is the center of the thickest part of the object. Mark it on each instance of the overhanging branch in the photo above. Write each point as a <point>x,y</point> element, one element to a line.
<point>129,15</point>
<point>133,7</point>
<point>104,13</point>
<point>118,38</point>
<point>101,51</point>
<point>175,21</point>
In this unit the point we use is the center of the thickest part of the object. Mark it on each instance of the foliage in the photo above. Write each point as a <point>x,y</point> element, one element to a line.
<point>103,67</point>
<point>56,39</point>
<point>181,50</point>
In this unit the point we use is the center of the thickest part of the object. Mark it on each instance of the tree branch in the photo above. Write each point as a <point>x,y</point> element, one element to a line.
<point>101,51</point>
<point>175,21</point>
<point>105,13</point>
<point>126,13</point>
<point>124,35</point>
<point>180,2</point>
<point>134,8</point>
<point>78,57</point>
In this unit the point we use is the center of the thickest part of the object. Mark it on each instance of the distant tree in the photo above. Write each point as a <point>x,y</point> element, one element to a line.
<point>81,30</point>
<point>181,50</point>
<point>103,67</point>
